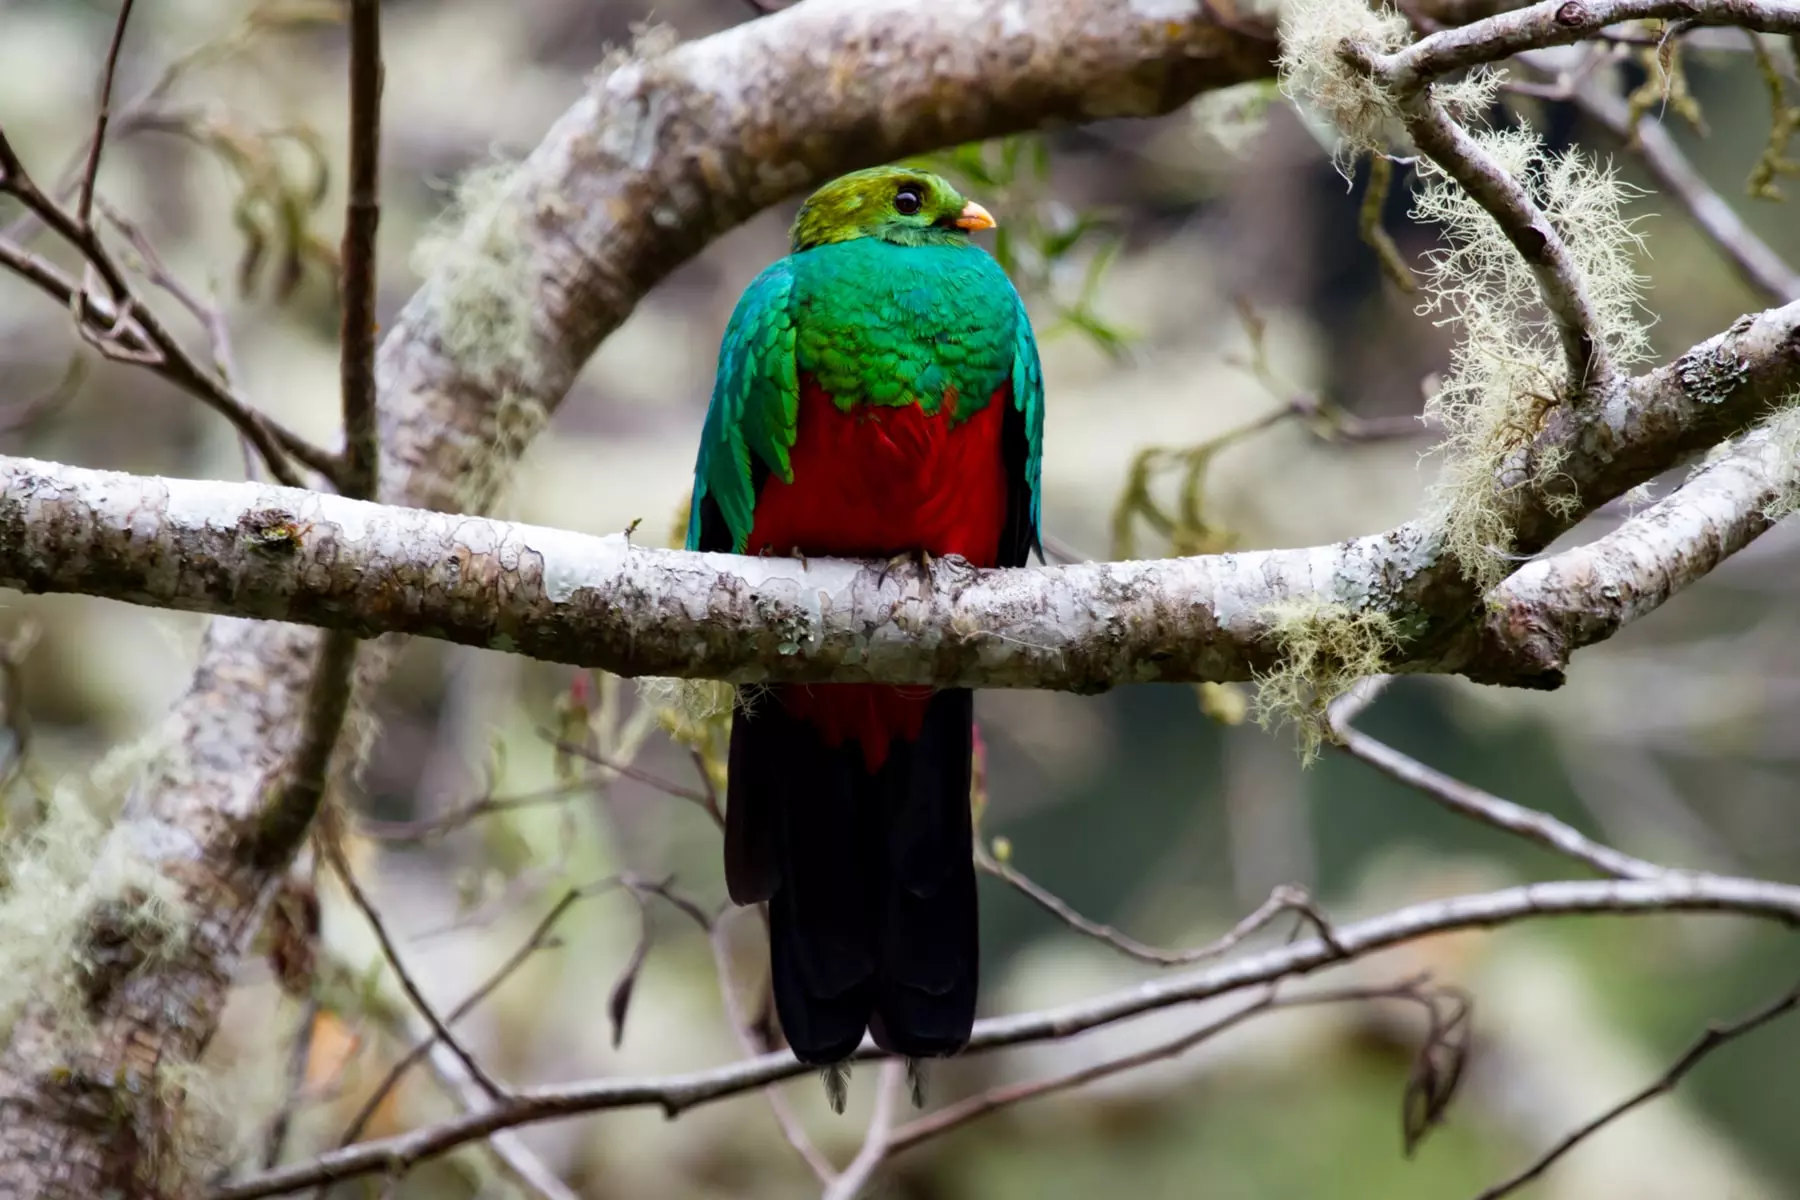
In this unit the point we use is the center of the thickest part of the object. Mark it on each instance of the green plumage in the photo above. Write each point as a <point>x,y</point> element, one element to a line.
<point>880,308</point>
<point>878,393</point>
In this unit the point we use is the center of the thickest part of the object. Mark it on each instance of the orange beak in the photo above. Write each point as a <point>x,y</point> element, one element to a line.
<point>974,217</point>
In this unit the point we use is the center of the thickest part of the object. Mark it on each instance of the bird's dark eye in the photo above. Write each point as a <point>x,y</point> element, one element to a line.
<point>908,200</point>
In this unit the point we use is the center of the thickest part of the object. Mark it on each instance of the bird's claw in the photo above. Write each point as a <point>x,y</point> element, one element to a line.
<point>920,559</point>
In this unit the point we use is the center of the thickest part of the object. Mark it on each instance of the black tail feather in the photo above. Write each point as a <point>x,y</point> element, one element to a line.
<point>869,877</point>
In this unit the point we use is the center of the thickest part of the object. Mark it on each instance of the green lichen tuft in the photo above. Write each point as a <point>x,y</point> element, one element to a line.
<point>1324,649</point>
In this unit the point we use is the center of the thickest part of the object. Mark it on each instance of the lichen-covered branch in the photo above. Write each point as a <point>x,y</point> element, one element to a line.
<point>1526,226</point>
<point>1675,892</point>
<point>276,553</point>
<point>1557,605</point>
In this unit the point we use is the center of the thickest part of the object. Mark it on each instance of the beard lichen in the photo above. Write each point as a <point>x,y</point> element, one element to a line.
<point>1324,648</point>
<point>1314,34</point>
<point>1507,371</point>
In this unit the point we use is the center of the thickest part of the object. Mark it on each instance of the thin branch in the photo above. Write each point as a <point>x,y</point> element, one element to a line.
<point>334,855</point>
<point>1286,898</point>
<point>121,326</point>
<point>676,1093</point>
<point>702,800</point>
<point>1561,22</point>
<point>535,941</point>
<point>856,1176</point>
<point>1525,225</point>
<point>84,208</point>
<point>1470,801</point>
<point>1555,606</point>
<point>519,1162</point>
<point>1269,999</point>
<point>1755,260</point>
<point>431,828</point>
<point>362,216</point>
<point>1716,1035</point>
<point>275,1141</point>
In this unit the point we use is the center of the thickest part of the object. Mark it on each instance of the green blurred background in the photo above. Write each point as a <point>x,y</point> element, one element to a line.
<point>1677,740</point>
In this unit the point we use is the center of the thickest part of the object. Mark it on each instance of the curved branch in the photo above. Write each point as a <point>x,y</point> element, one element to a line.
<point>675,1093</point>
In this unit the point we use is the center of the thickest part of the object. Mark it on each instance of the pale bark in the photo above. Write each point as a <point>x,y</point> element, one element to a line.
<point>674,1094</point>
<point>280,553</point>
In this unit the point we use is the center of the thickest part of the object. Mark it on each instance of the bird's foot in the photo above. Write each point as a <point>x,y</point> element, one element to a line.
<point>919,559</point>
<point>836,1078</point>
<point>797,552</point>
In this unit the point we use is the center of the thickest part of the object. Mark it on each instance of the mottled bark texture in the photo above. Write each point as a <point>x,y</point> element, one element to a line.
<point>280,553</point>
<point>665,151</point>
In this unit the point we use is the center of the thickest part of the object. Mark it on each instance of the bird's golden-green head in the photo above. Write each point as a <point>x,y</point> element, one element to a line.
<point>896,204</point>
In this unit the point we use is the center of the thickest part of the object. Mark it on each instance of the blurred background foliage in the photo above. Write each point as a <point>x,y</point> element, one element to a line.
<point>1193,276</point>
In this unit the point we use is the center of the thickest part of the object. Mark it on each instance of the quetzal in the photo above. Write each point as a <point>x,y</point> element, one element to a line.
<point>878,395</point>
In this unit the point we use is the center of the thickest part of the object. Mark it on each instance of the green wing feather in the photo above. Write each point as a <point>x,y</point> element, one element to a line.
<point>1028,398</point>
<point>755,404</point>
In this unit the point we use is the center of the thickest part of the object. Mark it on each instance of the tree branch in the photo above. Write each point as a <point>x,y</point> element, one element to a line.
<point>245,549</point>
<point>1715,1036</point>
<point>1470,801</point>
<point>1755,260</point>
<point>1561,22</point>
<point>1555,606</point>
<point>677,1093</point>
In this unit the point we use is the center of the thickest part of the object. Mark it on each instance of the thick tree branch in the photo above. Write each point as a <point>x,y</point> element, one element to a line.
<point>676,1093</point>
<point>252,550</point>
<point>1555,606</point>
<point>1560,23</point>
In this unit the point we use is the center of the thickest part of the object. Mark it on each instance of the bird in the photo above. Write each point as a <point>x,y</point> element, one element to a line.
<point>878,395</point>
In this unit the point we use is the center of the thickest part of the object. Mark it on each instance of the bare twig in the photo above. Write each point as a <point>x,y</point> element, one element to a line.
<point>855,1177</point>
<point>84,209</point>
<point>362,216</point>
<point>121,326</point>
<point>702,799</point>
<point>1716,1035</point>
<point>515,1158</point>
<point>1286,898</point>
<point>334,855</point>
<point>298,1055</point>
<point>1471,801</point>
<point>676,1093</point>
<point>1754,259</point>
<point>431,828</point>
<point>1268,999</point>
